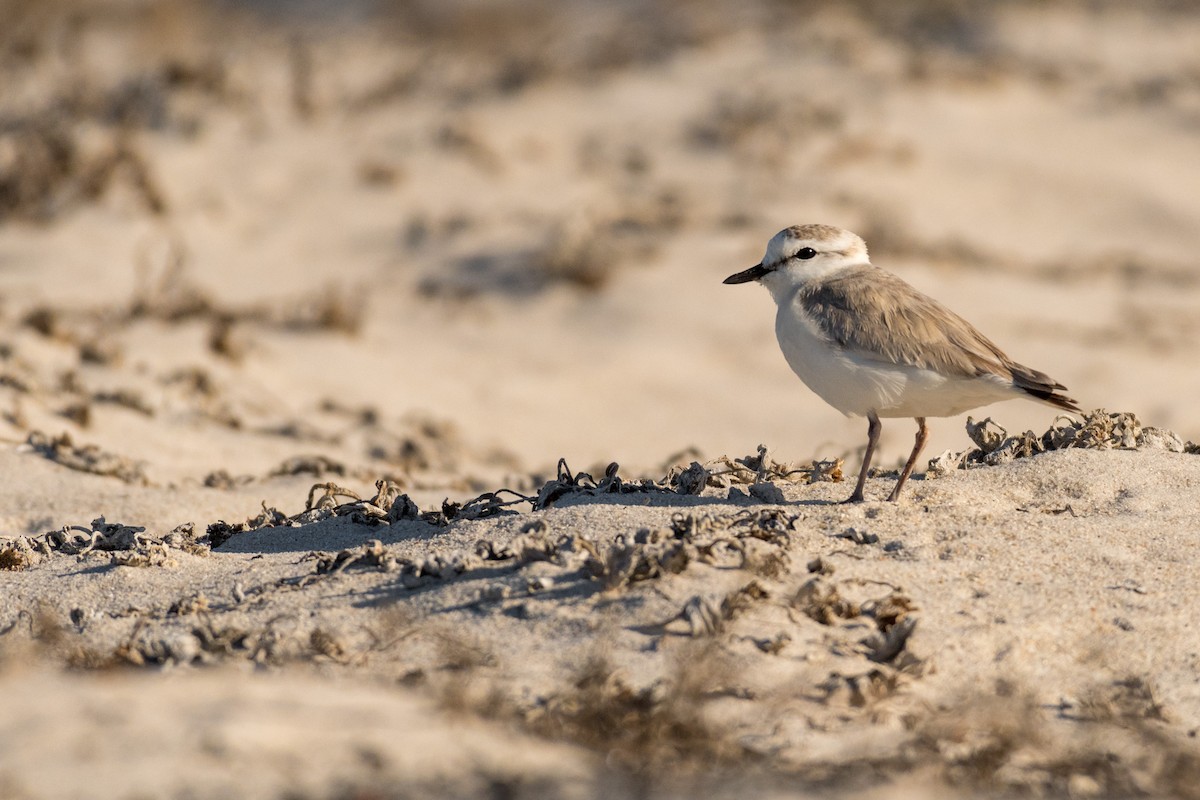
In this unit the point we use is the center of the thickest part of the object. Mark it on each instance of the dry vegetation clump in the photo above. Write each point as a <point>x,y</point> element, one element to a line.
<point>86,458</point>
<point>508,47</point>
<point>427,444</point>
<point>163,295</point>
<point>125,545</point>
<point>13,559</point>
<point>168,293</point>
<point>662,728</point>
<point>43,170</point>
<point>583,256</point>
<point>1096,430</point>
<point>280,641</point>
<point>762,127</point>
<point>1001,744</point>
<point>76,141</point>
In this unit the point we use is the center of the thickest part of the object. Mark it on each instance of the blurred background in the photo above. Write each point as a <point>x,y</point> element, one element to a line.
<point>463,239</point>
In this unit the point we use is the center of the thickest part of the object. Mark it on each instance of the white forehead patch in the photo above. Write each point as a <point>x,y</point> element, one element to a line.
<point>822,238</point>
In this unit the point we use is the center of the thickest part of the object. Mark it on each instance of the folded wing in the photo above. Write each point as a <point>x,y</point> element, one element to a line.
<point>904,326</point>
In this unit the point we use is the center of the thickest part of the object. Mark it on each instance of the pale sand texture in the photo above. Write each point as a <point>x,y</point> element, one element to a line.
<point>1063,582</point>
<point>449,252</point>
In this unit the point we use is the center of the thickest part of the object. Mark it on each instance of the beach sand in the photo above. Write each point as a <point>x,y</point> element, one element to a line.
<point>321,331</point>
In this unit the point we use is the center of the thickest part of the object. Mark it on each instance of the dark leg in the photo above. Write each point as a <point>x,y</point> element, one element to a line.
<point>922,437</point>
<point>873,428</point>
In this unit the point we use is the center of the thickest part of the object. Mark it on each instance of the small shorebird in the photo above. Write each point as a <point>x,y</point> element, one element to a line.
<point>871,345</point>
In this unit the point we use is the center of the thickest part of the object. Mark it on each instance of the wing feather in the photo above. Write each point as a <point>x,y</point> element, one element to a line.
<point>879,317</point>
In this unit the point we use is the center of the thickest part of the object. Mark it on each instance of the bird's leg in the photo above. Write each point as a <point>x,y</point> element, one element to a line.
<point>922,437</point>
<point>874,426</point>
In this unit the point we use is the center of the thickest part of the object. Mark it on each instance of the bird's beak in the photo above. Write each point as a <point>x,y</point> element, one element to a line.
<point>747,275</point>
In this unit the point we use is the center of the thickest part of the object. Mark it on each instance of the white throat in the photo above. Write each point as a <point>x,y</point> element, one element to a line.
<point>784,282</point>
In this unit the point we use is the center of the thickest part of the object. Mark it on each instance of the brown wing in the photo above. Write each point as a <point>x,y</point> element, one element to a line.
<point>879,317</point>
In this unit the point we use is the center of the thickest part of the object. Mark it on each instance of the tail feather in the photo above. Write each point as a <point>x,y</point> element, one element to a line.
<point>1041,386</point>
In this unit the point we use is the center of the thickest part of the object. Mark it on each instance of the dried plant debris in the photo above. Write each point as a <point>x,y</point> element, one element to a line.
<point>1097,430</point>
<point>371,554</point>
<point>1130,700</point>
<point>762,126</point>
<point>387,506</point>
<point>721,540</point>
<point>569,483</point>
<point>821,599</point>
<point>221,531</point>
<point>580,254</point>
<point>752,539</point>
<point>769,525</point>
<point>127,545</point>
<point>706,616</point>
<point>759,470</point>
<point>995,744</point>
<point>412,573</point>
<point>427,444</point>
<point>716,540</point>
<point>277,642</point>
<point>126,398</point>
<point>649,728</point>
<point>761,476</point>
<point>647,555</point>
<point>315,465</point>
<point>165,292</point>
<point>533,544</point>
<point>86,458</point>
<point>50,166</point>
<point>13,558</point>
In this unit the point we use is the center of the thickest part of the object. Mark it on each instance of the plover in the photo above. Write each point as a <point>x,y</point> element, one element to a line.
<point>871,345</point>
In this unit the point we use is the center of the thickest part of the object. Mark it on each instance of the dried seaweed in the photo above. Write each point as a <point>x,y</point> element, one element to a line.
<point>126,398</point>
<point>50,169</point>
<point>1096,430</point>
<point>644,557</point>
<point>994,743</point>
<point>86,458</point>
<point>128,545</point>
<point>719,539</point>
<point>821,601</point>
<point>756,471</point>
<point>387,506</point>
<point>315,465</point>
<point>705,616</point>
<point>580,253</point>
<point>581,483</point>
<point>13,559</point>
<point>716,539</point>
<point>893,614</point>
<point>371,554</point>
<point>648,554</point>
<point>534,544</point>
<point>412,574</point>
<point>645,729</point>
<point>277,642</point>
<point>221,531</point>
<point>769,525</point>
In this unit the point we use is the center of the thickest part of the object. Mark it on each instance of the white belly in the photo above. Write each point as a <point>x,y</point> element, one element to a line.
<point>856,385</point>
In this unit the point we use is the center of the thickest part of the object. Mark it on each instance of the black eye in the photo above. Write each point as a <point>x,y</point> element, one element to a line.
<point>806,253</point>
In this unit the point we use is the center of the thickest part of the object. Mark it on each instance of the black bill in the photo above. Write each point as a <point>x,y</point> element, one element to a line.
<point>747,275</point>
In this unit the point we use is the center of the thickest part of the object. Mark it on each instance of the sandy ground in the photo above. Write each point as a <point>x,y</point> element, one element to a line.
<point>445,246</point>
